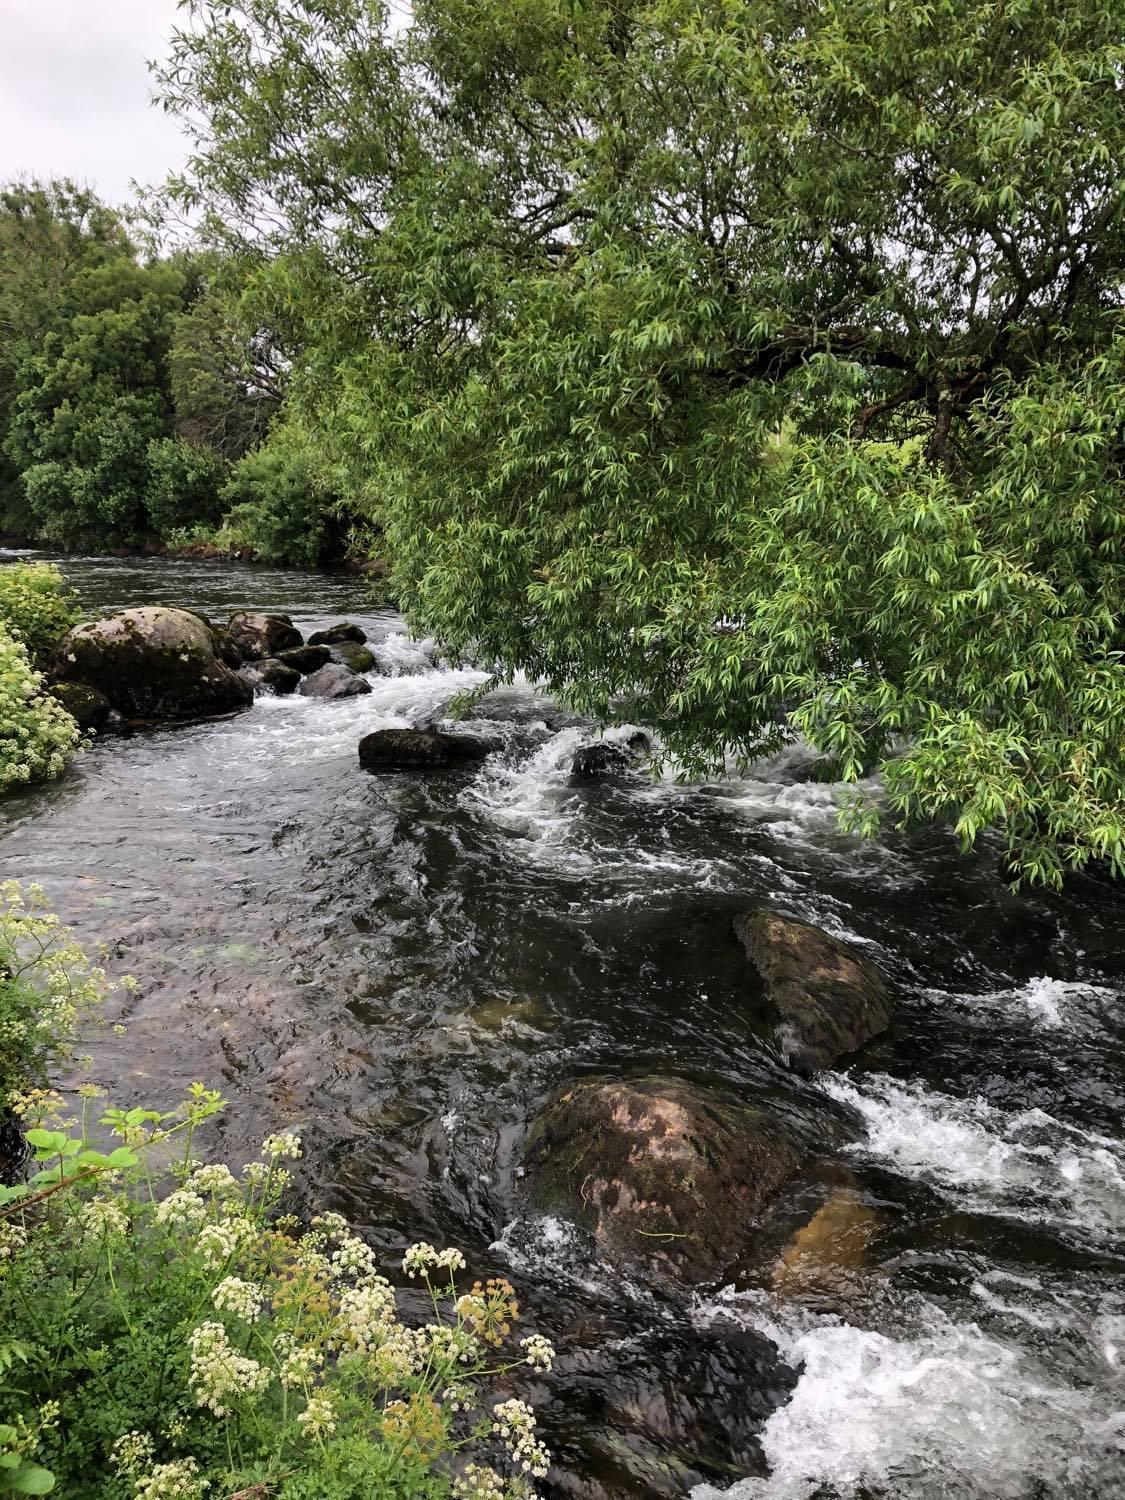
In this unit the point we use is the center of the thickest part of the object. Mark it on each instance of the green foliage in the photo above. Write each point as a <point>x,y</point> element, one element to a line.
<point>179,1336</point>
<point>48,990</point>
<point>183,486</point>
<point>37,735</point>
<point>37,606</point>
<point>749,368</point>
<point>280,503</point>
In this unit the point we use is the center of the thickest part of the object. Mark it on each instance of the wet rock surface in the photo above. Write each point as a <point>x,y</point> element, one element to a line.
<point>305,659</point>
<point>351,654</point>
<point>335,635</point>
<point>824,997</point>
<point>260,635</point>
<point>663,1172</point>
<point>418,750</point>
<point>151,663</point>
<point>334,681</point>
<point>88,707</point>
<point>271,675</point>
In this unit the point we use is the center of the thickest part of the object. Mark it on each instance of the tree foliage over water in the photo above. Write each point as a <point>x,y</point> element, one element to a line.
<point>753,367</point>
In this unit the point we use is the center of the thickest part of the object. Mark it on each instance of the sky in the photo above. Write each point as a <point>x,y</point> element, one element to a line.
<point>74,93</point>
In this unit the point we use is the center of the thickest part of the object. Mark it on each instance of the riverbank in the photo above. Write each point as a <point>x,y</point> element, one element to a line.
<point>368,567</point>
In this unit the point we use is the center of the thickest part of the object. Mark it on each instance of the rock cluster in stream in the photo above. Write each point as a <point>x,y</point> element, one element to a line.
<point>159,663</point>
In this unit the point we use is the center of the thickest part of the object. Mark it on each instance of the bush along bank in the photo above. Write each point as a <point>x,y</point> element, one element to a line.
<point>169,1332</point>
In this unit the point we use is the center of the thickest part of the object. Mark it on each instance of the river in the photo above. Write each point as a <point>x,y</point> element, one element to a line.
<point>403,968</point>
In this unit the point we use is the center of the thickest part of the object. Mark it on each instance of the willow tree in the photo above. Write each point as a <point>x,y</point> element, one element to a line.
<point>751,367</point>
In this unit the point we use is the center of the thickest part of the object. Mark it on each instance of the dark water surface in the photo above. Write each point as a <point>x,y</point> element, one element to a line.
<point>403,969</point>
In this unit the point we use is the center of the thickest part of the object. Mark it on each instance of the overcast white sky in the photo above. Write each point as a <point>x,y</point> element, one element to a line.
<point>74,92</point>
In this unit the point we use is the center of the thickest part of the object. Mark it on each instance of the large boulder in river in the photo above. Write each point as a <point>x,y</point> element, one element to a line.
<point>606,759</point>
<point>152,663</point>
<point>334,681</point>
<point>305,659</point>
<point>418,750</point>
<point>825,999</point>
<point>661,1171</point>
<point>258,635</point>
<point>352,654</point>
<point>344,631</point>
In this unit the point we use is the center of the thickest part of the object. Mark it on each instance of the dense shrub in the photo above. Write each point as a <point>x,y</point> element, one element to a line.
<point>36,605</point>
<point>278,501</point>
<point>37,735</point>
<point>183,485</point>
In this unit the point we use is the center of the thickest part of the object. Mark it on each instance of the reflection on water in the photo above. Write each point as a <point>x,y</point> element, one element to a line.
<point>404,967</point>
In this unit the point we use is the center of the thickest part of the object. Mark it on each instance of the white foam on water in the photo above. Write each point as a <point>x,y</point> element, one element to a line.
<point>1050,1004</point>
<point>925,1408</point>
<point>1025,1165</point>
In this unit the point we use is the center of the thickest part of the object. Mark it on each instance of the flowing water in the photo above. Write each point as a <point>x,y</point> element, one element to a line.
<point>404,967</point>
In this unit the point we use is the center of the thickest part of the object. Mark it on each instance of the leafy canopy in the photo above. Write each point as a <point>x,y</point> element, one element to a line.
<point>753,367</point>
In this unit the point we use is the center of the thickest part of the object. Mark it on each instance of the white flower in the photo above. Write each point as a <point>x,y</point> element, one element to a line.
<point>256,1173</point>
<point>178,1480</point>
<point>450,1345</point>
<point>219,1373</point>
<point>539,1352</point>
<point>514,1424</point>
<point>478,1482</point>
<point>12,1238</point>
<point>103,1219</point>
<point>286,1144</point>
<point>331,1225</point>
<point>216,1243</point>
<point>354,1258</point>
<point>319,1417</point>
<point>214,1178</point>
<point>243,1298</point>
<point>365,1314</point>
<point>460,1396</point>
<point>419,1258</point>
<point>299,1362</point>
<point>130,1451</point>
<point>182,1209</point>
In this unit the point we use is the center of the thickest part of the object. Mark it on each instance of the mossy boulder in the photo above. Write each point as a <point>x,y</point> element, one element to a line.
<point>824,998</point>
<point>418,750</point>
<point>351,654</point>
<point>151,663</point>
<point>305,659</point>
<point>258,635</point>
<point>88,707</point>
<point>335,634</point>
<point>661,1171</point>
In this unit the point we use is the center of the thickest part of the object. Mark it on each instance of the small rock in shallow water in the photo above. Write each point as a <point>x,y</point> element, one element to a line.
<point>344,631</point>
<point>353,655</point>
<point>305,659</point>
<point>418,750</point>
<point>825,998</point>
<point>334,681</point>
<point>258,635</point>
<point>605,759</point>
<point>270,674</point>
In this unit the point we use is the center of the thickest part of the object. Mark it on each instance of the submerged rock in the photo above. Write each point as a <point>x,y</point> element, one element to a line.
<point>273,675</point>
<point>151,663</point>
<point>88,707</point>
<point>258,635</point>
<point>344,631</point>
<point>418,750</point>
<point>305,659</point>
<point>825,998</point>
<point>334,681</point>
<point>659,1169</point>
<point>353,655</point>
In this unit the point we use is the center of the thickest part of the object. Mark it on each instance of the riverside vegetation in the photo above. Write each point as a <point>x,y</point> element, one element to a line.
<point>169,1334</point>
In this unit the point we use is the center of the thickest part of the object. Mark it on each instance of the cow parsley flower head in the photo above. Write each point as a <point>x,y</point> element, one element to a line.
<point>243,1298</point>
<point>539,1352</point>
<point>130,1452</point>
<point>318,1420</point>
<point>219,1373</point>
<point>514,1423</point>
<point>286,1144</point>
<point>178,1480</point>
<point>102,1219</point>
